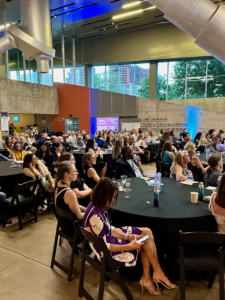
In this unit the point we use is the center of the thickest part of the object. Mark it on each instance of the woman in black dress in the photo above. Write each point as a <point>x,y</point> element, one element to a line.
<point>44,155</point>
<point>100,166</point>
<point>90,175</point>
<point>78,186</point>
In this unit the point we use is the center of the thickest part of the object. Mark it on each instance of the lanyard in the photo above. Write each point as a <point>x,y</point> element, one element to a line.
<point>19,154</point>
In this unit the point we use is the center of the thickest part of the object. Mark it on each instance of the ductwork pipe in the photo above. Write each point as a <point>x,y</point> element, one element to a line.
<point>201,19</point>
<point>35,17</point>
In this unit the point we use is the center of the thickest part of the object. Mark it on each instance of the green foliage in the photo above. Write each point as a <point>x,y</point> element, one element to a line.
<point>144,89</point>
<point>196,80</point>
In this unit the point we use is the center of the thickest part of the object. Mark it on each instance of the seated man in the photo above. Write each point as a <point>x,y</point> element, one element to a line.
<point>213,145</point>
<point>79,142</point>
<point>186,139</point>
<point>61,140</point>
<point>54,139</point>
<point>126,164</point>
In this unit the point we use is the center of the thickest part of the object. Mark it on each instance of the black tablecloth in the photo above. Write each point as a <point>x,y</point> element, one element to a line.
<point>202,157</point>
<point>175,212</point>
<point>9,177</point>
<point>153,148</point>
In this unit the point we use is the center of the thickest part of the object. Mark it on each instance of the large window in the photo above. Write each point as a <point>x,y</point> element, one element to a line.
<point>130,79</point>
<point>190,79</point>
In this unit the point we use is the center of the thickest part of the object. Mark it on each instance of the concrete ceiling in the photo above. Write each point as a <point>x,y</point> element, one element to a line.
<point>89,20</point>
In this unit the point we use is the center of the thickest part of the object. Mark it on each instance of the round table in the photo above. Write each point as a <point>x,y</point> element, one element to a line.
<point>175,212</point>
<point>203,157</point>
<point>107,157</point>
<point>153,148</point>
<point>10,176</point>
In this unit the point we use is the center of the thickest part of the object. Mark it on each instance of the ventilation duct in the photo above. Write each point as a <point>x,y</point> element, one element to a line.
<point>34,38</point>
<point>201,19</point>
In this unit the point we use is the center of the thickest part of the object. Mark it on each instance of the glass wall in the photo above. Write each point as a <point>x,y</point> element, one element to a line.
<point>130,79</point>
<point>190,79</point>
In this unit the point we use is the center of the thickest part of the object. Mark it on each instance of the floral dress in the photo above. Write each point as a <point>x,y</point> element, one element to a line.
<point>99,224</point>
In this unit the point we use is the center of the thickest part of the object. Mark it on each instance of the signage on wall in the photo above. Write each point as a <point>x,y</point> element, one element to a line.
<point>109,123</point>
<point>61,119</point>
<point>4,122</point>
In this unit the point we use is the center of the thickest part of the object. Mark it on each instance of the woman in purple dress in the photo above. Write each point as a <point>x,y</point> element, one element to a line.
<point>122,242</point>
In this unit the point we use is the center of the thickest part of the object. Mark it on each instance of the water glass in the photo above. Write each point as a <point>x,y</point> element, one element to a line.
<point>123,177</point>
<point>207,151</point>
<point>120,186</point>
<point>179,180</point>
<point>128,181</point>
<point>127,193</point>
<point>198,153</point>
<point>12,162</point>
<point>106,151</point>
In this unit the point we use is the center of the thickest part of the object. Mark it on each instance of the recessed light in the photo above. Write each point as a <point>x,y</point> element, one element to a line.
<point>133,12</point>
<point>131,4</point>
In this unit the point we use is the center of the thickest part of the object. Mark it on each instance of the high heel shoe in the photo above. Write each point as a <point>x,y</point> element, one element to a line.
<point>157,281</point>
<point>143,283</point>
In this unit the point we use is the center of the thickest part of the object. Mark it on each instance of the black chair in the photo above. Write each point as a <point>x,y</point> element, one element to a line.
<point>21,202</point>
<point>107,268</point>
<point>67,146</point>
<point>201,258</point>
<point>165,169</point>
<point>59,213</point>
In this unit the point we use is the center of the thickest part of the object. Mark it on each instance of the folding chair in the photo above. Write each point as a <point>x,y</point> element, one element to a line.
<point>201,259</point>
<point>59,213</point>
<point>21,201</point>
<point>165,169</point>
<point>107,268</point>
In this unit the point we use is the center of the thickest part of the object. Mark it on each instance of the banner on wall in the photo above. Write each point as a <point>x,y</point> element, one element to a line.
<point>4,122</point>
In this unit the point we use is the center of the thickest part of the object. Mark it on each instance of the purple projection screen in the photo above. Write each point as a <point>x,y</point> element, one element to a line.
<point>108,123</point>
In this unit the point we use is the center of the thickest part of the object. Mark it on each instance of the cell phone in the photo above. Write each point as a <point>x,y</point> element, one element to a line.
<point>143,239</point>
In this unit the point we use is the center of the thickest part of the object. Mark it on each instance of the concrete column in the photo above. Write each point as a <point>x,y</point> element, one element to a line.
<point>153,80</point>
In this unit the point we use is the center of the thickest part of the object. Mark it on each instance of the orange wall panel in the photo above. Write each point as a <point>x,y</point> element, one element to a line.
<point>73,100</point>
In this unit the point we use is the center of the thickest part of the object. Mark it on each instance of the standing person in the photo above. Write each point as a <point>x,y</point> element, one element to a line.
<point>122,242</point>
<point>100,166</point>
<point>64,197</point>
<point>91,177</point>
<point>78,186</point>
<point>215,169</point>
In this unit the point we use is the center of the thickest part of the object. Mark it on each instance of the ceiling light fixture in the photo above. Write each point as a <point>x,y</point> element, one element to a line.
<point>131,4</point>
<point>132,12</point>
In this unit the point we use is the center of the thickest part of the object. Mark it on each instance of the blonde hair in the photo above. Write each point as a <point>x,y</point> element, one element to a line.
<point>179,160</point>
<point>22,134</point>
<point>120,136</point>
<point>190,147</point>
<point>202,142</point>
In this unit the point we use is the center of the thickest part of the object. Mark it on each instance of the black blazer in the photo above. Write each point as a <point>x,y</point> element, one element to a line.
<point>124,168</point>
<point>107,145</point>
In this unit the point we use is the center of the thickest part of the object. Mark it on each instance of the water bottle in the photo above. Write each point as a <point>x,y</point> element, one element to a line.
<point>159,181</point>
<point>190,176</point>
<point>218,180</point>
<point>156,184</point>
<point>201,191</point>
<point>156,197</point>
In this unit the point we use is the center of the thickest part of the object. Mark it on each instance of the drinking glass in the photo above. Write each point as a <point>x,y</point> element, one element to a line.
<point>127,193</point>
<point>128,181</point>
<point>198,153</point>
<point>179,180</point>
<point>120,186</point>
<point>12,162</point>
<point>123,177</point>
<point>106,151</point>
<point>207,151</point>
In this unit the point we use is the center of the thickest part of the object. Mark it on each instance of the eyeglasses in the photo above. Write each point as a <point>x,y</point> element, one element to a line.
<point>76,171</point>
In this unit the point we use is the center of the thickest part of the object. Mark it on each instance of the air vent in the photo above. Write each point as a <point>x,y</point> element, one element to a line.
<point>124,24</point>
<point>163,21</point>
<point>66,12</point>
<point>89,37</point>
<point>115,1</point>
<point>96,22</point>
<point>62,6</point>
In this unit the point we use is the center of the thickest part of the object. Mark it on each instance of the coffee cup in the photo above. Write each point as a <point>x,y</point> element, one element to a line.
<point>194,197</point>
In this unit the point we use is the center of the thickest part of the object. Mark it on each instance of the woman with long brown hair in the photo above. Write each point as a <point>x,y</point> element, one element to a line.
<point>117,149</point>
<point>167,155</point>
<point>8,146</point>
<point>90,175</point>
<point>179,168</point>
<point>123,242</point>
<point>215,169</point>
<point>217,205</point>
